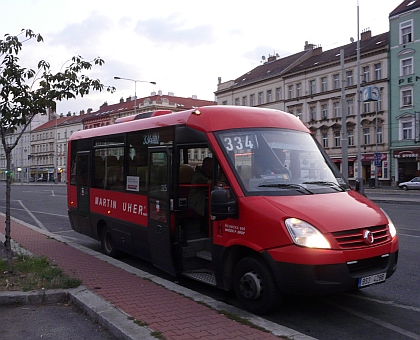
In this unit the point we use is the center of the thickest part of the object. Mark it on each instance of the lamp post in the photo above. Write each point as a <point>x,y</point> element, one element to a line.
<point>135,88</point>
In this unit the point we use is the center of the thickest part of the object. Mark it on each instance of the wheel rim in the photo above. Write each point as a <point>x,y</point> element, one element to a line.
<point>250,285</point>
<point>108,242</point>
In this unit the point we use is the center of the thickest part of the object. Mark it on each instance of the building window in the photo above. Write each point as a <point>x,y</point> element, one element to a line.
<point>349,76</point>
<point>278,93</point>
<point>269,96</point>
<point>406,32</point>
<point>325,139</point>
<point>299,113</point>
<point>379,135</point>
<point>290,91</point>
<point>312,86</point>
<point>312,113</point>
<point>223,103</point>
<point>237,101</point>
<point>298,90</point>
<point>406,97</point>
<point>366,136</point>
<point>336,81</point>
<point>324,111</point>
<point>350,107</point>
<point>252,99</point>
<point>324,86</point>
<point>244,101</point>
<point>407,130</point>
<point>378,71</point>
<point>337,110</point>
<point>366,107</point>
<point>350,137</point>
<point>366,76</point>
<point>406,67</point>
<point>260,98</point>
<point>337,139</point>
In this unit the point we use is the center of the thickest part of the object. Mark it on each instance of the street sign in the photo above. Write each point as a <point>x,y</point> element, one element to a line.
<point>377,159</point>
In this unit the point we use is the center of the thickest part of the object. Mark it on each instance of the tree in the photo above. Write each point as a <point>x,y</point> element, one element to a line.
<point>24,93</point>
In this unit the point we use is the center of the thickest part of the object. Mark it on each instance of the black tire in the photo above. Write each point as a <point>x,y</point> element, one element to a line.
<point>107,243</point>
<point>404,187</point>
<point>255,286</point>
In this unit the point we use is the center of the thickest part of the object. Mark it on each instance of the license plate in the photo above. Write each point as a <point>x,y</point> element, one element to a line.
<point>370,280</point>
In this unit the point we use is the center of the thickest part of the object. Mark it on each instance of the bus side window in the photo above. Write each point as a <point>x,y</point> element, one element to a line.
<point>98,171</point>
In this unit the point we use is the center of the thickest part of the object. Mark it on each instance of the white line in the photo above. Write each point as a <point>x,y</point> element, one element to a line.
<point>39,212</point>
<point>377,321</point>
<point>400,234</point>
<point>33,216</point>
<point>389,303</point>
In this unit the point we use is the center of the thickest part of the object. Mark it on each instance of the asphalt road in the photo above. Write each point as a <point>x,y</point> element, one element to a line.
<point>387,311</point>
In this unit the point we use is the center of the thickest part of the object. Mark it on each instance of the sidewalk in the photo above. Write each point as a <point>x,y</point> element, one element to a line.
<point>116,294</point>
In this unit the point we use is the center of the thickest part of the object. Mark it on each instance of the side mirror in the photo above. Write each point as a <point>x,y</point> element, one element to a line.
<point>220,206</point>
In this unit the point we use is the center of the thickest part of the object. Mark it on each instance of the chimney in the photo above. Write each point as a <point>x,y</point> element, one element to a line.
<point>121,100</point>
<point>160,92</point>
<point>308,46</point>
<point>219,80</point>
<point>82,112</point>
<point>317,50</point>
<point>366,34</point>
<point>271,58</point>
<point>89,110</point>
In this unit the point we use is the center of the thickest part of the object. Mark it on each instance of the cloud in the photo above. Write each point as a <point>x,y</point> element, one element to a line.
<point>83,36</point>
<point>169,31</point>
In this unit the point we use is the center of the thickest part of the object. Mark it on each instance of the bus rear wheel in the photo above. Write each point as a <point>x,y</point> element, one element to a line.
<point>255,286</point>
<point>107,243</point>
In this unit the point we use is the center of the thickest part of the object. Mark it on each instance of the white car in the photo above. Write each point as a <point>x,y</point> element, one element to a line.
<point>413,184</point>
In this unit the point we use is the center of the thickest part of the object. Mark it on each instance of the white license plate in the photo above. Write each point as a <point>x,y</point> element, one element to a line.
<point>370,280</point>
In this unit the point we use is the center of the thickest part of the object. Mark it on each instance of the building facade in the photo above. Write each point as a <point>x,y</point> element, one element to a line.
<point>20,156</point>
<point>109,113</point>
<point>309,85</point>
<point>405,90</point>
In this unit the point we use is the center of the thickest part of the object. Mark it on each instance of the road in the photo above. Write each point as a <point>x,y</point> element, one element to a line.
<point>387,311</point>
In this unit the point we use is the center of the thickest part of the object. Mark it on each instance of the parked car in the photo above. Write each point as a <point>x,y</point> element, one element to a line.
<point>413,184</point>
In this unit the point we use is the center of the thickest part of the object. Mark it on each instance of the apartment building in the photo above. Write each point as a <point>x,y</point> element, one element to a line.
<point>309,84</point>
<point>405,90</point>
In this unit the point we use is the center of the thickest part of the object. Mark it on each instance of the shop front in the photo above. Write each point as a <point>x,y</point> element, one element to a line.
<point>407,164</point>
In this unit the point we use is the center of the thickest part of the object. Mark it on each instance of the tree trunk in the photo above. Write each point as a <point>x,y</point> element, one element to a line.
<point>7,243</point>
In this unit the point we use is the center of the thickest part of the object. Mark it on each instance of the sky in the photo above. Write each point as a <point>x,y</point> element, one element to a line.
<point>184,46</point>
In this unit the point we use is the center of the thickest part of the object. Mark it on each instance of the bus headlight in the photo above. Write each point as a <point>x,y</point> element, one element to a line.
<point>306,235</point>
<point>391,225</point>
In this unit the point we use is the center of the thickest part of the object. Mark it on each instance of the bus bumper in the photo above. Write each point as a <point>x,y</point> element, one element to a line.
<point>314,279</point>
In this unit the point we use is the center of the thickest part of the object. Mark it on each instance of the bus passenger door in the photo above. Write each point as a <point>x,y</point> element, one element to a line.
<point>159,229</point>
<point>83,205</point>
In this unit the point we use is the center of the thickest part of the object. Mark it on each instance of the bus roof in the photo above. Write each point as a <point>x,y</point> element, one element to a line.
<point>205,119</point>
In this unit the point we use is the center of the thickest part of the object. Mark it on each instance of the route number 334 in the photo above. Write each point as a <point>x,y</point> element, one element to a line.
<point>239,142</point>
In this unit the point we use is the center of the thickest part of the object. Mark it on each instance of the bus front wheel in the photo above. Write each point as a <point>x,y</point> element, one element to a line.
<point>107,243</point>
<point>255,286</point>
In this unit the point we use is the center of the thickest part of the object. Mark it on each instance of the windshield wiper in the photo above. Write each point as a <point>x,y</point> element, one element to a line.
<point>332,185</point>
<point>287,186</point>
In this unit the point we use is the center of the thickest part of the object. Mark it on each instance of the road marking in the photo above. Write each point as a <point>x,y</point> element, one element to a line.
<point>38,212</point>
<point>377,321</point>
<point>399,234</point>
<point>38,222</point>
<point>390,303</point>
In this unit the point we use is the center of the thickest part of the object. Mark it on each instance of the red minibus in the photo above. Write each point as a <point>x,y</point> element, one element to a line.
<point>241,198</point>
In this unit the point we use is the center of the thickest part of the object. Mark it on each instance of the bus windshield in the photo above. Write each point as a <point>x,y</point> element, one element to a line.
<point>280,162</point>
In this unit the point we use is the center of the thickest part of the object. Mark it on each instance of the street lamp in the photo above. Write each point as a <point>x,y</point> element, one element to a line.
<point>135,88</point>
